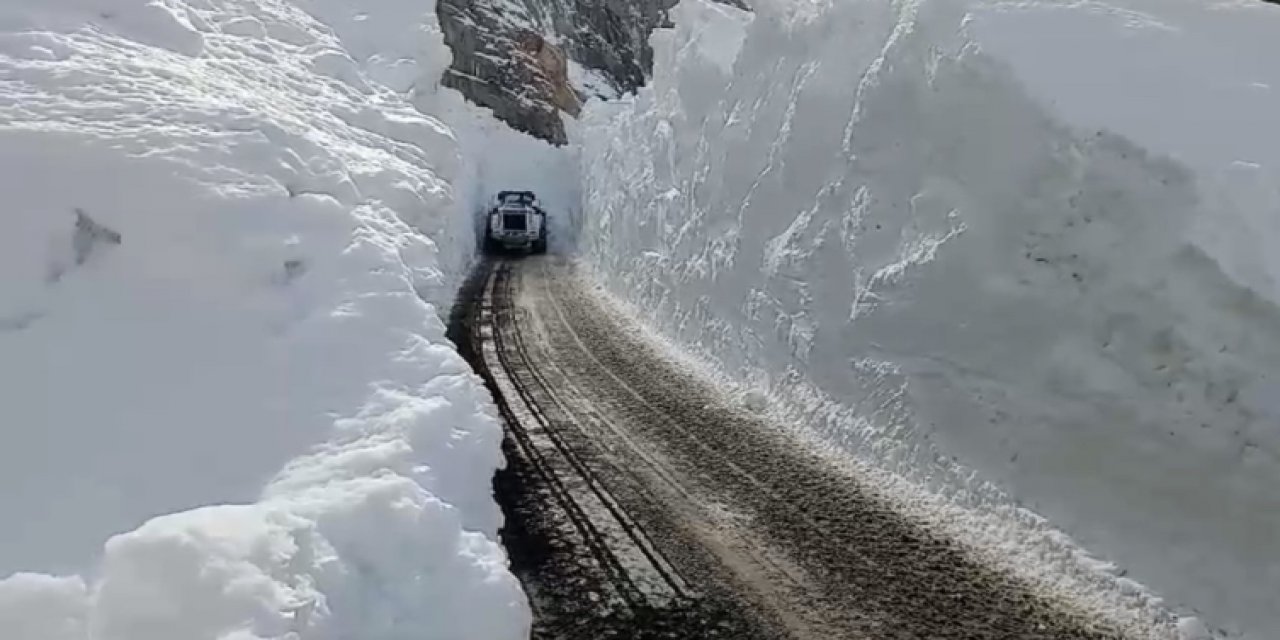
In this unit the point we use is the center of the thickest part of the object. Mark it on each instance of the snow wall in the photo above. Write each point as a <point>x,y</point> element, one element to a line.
<point>231,228</point>
<point>1019,255</point>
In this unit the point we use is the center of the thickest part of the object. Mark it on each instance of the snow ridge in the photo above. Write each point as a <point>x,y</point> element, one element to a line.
<point>232,227</point>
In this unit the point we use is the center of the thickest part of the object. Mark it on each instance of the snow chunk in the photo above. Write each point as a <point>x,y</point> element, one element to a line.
<point>591,82</point>
<point>708,31</point>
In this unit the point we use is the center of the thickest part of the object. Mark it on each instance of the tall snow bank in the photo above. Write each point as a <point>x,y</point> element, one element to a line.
<point>1014,253</point>
<point>228,239</point>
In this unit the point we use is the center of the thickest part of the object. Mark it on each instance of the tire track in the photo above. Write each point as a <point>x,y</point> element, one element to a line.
<point>639,572</point>
<point>590,570</point>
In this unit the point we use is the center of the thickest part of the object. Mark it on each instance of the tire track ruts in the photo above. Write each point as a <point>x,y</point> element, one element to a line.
<point>539,393</point>
<point>526,425</point>
<point>611,533</point>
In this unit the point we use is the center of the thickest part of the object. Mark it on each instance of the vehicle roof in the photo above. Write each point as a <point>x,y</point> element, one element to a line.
<point>523,195</point>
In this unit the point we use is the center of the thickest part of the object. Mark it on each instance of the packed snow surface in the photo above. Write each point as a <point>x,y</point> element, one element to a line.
<point>1018,253</point>
<point>230,230</point>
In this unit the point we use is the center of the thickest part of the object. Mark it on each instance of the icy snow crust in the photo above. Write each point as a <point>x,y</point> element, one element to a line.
<point>1006,253</point>
<point>228,238</point>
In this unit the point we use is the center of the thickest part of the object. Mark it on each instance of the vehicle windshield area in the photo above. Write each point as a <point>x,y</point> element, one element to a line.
<point>523,198</point>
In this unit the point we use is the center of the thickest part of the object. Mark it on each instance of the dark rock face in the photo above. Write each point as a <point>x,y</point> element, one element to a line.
<point>511,55</point>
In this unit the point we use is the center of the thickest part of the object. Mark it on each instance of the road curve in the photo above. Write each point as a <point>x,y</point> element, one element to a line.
<point>641,504</point>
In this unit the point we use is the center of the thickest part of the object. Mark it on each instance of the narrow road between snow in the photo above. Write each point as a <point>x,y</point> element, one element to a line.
<point>641,503</point>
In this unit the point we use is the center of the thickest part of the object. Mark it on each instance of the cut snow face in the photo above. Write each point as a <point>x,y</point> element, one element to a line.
<point>1014,253</point>
<point>228,237</point>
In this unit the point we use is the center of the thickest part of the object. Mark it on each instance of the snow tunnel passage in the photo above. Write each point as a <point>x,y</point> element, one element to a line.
<point>966,253</point>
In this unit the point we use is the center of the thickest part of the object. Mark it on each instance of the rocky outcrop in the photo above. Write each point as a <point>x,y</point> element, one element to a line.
<point>551,70</point>
<point>502,62</point>
<point>512,56</point>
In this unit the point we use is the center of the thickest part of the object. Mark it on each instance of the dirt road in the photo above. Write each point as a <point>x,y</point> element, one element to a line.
<point>641,503</point>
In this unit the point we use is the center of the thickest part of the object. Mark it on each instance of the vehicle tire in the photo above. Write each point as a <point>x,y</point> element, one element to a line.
<point>540,245</point>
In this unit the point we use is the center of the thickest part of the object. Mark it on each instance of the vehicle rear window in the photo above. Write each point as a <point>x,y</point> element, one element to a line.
<point>514,221</point>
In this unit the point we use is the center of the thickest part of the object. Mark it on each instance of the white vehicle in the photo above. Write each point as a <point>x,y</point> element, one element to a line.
<point>516,222</point>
